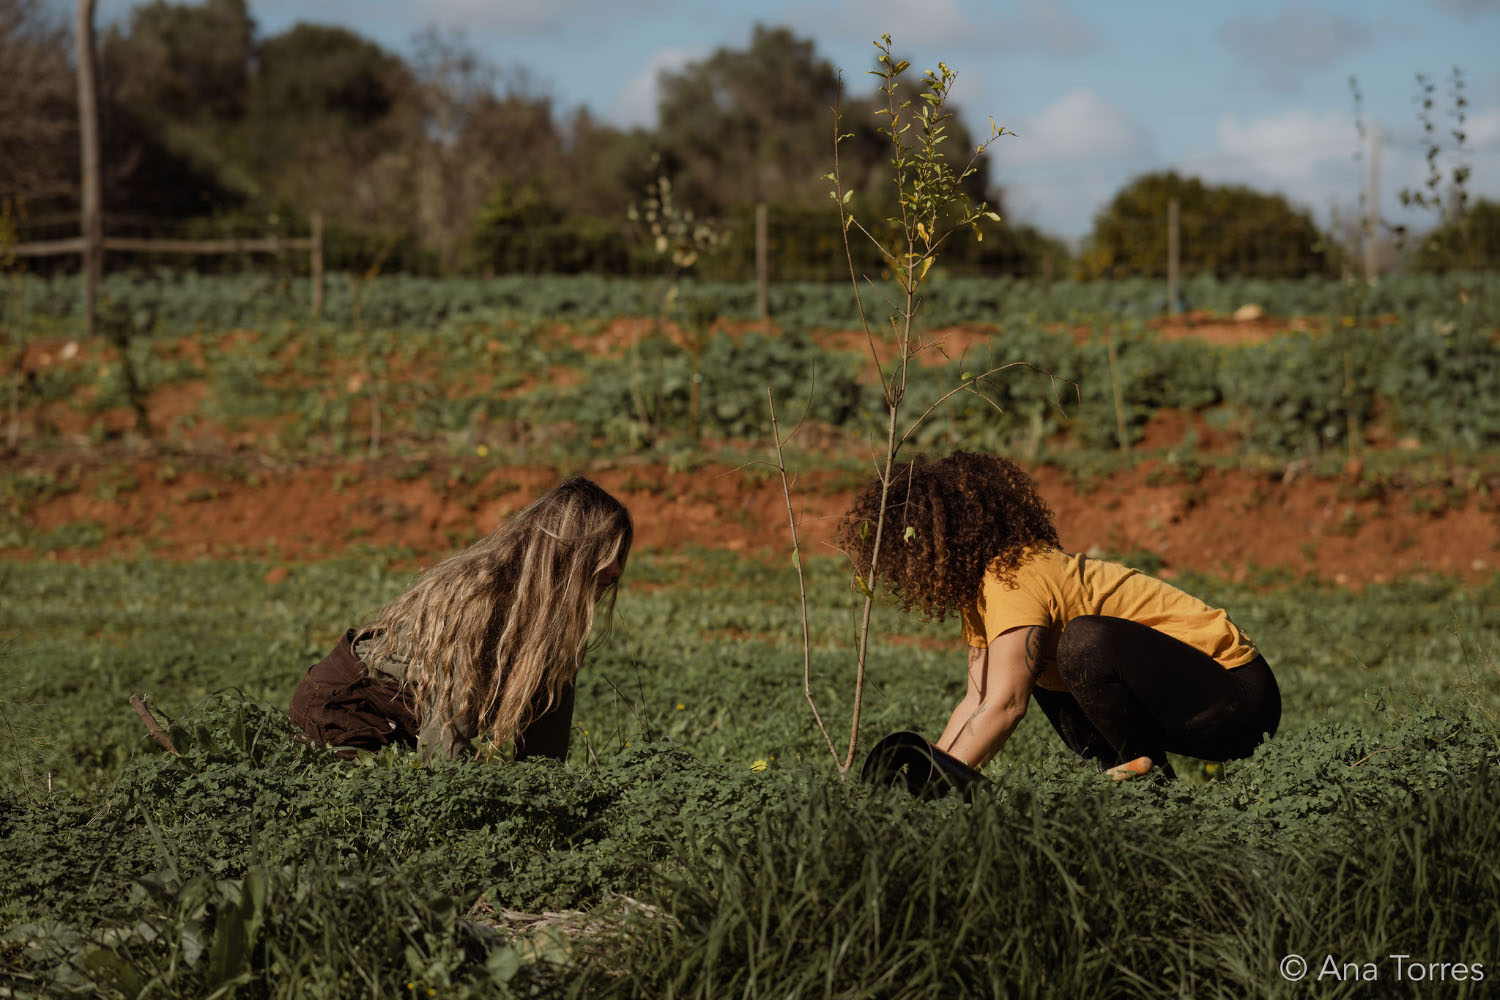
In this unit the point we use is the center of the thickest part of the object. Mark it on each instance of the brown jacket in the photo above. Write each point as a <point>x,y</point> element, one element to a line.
<point>343,703</point>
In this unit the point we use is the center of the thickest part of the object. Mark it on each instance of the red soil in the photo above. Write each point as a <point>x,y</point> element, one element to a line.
<point>1227,522</point>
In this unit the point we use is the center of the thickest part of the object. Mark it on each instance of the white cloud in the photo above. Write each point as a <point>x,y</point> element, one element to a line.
<point>1310,158</point>
<point>1483,130</point>
<point>1064,204</point>
<point>1074,156</point>
<point>635,104</point>
<point>1078,127</point>
<point>1068,160</point>
<point>1292,150</point>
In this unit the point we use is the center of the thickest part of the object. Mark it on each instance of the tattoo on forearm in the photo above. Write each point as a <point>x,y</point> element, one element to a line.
<point>1034,639</point>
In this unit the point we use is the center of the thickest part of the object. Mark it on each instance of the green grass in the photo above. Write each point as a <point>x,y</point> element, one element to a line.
<point>1366,828</point>
<point>711,631</point>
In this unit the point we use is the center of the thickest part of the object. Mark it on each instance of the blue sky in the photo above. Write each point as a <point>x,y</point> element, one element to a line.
<point>1098,91</point>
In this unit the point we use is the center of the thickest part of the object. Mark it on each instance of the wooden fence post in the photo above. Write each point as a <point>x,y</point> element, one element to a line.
<point>88,135</point>
<point>317,265</point>
<point>762,262</point>
<point>1174,253</point>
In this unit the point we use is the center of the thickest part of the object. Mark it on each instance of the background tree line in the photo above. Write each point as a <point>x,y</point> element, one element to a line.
<point>443,163</point>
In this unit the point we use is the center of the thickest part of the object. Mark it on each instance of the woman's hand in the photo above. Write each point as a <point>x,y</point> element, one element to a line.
<point>1001,677</point>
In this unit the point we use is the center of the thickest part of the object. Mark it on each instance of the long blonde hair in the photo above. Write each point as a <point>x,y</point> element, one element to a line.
<point>501,628</point>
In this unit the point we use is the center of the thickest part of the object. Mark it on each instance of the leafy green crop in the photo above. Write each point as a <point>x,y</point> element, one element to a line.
<point>533,375</point>
<point>184,302</point>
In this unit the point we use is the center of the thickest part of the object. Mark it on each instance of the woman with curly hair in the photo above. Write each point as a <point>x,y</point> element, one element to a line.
<point>1125,666</point>
<point>488,642</point>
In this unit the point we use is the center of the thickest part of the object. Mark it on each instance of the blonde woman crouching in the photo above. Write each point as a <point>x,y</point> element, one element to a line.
<point>487,643</point>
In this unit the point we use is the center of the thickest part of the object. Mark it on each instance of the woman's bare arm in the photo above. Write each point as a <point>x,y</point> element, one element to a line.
<point>1001,677</point>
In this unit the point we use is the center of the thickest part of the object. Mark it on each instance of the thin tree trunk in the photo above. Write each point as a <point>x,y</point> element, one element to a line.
<point>91,220</point>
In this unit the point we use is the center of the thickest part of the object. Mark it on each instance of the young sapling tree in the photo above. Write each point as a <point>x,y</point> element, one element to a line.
<point>933,206</point>
<point>680,241</point>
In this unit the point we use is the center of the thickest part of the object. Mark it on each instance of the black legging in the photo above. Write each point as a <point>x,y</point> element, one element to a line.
<point>1136,692</point>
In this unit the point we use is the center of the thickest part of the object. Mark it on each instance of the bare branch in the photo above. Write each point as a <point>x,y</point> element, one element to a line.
<point>806,409</point>
<point>966,385</point>
<point>786,492</point>
<point>745,465</point>
<point>881,292</point>
<point>864,625</point>
<point>153,727</point>
<point>21,764</point>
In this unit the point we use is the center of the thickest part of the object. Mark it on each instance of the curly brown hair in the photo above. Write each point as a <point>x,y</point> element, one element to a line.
<point>947,521</point>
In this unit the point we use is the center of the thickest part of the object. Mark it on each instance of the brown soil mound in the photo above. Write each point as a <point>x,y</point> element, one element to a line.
<point>1232,522</point>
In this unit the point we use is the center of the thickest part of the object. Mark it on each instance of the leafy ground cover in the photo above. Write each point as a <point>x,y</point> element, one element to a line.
<point>698,843</point>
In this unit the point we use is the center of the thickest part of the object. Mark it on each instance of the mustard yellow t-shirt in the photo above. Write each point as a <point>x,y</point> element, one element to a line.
<point>1051,588</point>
